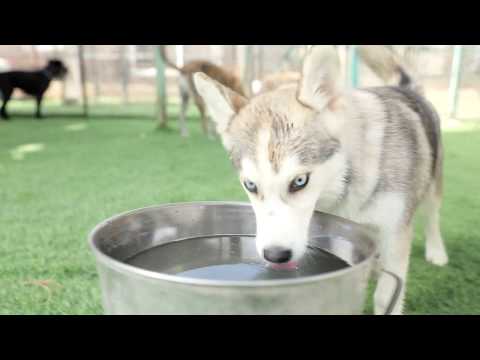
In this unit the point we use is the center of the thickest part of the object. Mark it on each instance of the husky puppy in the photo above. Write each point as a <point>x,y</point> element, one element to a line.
<point>370,155</point>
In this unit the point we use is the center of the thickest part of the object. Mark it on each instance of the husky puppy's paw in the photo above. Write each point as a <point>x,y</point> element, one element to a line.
<point>437,256</point>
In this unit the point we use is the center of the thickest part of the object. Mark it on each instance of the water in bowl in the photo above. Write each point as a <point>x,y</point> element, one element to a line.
<point>228,258</point>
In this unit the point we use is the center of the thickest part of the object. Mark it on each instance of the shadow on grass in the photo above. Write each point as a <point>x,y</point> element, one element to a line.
<point>20,110</point>
<point>75,116</point>
<point>92,116</point>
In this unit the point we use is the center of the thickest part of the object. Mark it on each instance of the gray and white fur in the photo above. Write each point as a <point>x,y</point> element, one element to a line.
<point>371,155</point>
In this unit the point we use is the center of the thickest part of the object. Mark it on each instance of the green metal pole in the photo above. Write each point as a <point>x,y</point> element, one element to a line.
<point>83,79</point>
<point>455,79</point>
<point>353,65</point>
<point>161,89</point>
<point>125,66</point>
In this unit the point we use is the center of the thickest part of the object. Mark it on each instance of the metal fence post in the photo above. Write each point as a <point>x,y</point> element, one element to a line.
<point>455,79</point>
<point>161,89</point>
<point>83,77</point>
<point>353,60</point>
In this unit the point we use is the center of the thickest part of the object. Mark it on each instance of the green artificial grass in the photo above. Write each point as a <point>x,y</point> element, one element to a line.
<point>74,173</point>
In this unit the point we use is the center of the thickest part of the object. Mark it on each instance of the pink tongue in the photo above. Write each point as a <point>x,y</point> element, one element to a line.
<point>292,265</point>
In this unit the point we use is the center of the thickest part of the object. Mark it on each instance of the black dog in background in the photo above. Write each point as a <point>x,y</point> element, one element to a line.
<point>33,83</point>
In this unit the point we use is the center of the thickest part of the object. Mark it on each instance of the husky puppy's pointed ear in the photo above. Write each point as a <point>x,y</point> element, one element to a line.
<point>222,102</point>
<point>320,82</point>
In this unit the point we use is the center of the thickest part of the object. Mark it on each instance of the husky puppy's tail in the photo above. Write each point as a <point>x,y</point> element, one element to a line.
<point>389,66</point>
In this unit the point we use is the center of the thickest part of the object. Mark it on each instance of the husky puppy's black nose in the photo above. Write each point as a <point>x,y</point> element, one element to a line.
<point>277,254</point>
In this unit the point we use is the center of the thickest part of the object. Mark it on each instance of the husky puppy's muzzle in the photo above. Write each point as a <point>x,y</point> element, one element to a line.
<point>282,232</point>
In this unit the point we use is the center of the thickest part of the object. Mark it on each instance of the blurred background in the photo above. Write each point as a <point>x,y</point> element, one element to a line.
<point>131,76</point>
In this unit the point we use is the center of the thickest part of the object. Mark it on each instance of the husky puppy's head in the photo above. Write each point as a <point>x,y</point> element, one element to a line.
<point>286,147</point>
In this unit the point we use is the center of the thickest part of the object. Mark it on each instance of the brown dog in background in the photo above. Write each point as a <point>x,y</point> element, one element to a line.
<point>187,87</point>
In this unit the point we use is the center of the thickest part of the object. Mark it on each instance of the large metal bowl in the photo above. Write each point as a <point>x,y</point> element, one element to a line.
<point>128,289</point>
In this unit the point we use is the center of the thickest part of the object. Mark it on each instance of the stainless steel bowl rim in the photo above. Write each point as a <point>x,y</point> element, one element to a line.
<point>129,269</point>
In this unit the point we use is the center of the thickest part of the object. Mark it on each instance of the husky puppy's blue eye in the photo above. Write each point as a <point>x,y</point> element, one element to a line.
<point>299,183</point>
<point>250,186</point>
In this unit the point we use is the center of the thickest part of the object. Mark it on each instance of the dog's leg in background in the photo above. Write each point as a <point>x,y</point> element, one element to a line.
<point>38,100</point>
<point>395,259</point>
<point>6,94</point>
<point>203,117</point>
<point>184,98</point>
<point>435,248</point>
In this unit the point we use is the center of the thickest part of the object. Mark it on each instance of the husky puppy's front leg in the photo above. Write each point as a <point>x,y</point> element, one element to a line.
<point>395,258</point>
